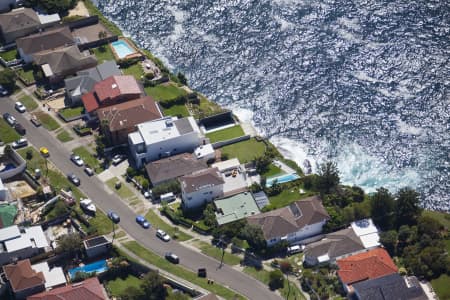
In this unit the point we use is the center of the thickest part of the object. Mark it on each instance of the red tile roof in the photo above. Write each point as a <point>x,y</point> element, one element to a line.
<point>115,86</point>
<point>89,101</point>
<point>21,276</point>
<point>368,265</point>
<point>88,289</point>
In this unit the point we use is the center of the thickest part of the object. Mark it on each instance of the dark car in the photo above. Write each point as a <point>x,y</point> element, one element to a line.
<point>142,221</point>
<point>173,258</point>
<point>3,91</point>
<point>113,216</point>
<point>74,179</point>
<point>20,129</point>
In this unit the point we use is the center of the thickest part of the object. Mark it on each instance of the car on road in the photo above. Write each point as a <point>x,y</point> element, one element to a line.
<point>20,129</point>
<point>35,121</point>
<point>117,159</point>
<point>162,235</point>
<point>9,119</point>
<point>142,221</point>
<point>20,107</point>
<point>76,159</point>
<point>173,258</point>
<point>20,143</point>
<point>74,179</point>
<point>88,170</point>
<point>113,216</point>
<point>44,151</point>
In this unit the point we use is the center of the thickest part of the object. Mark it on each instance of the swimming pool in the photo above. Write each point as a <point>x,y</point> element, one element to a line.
<point>97,267</point>
<point>122,48</point>
<point>282,179</point>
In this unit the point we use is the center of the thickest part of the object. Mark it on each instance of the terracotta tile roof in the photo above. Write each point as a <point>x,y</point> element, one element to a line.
<point>289,219</point>
<point>115,86</point>
<point>368,265</point>
<point>21,276</point>
<point>46,40</point>
<point>90,102</point>
<point>201,179</point>
<point>88,289</point>
<point>130,113</point>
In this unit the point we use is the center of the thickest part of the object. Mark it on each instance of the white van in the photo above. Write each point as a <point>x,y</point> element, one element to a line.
<point>169,197</point>
<point>295,249</point>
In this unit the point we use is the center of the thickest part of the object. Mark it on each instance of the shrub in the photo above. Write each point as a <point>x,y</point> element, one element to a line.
<point>276,280</point>
<point>29,154</point>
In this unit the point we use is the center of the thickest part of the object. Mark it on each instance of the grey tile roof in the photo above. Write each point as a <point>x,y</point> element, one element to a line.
<point>45,40</point>
<point>201,179</point>
<point>19,19</point>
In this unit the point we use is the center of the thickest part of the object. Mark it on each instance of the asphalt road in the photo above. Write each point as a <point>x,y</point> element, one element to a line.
<point>105,200</point>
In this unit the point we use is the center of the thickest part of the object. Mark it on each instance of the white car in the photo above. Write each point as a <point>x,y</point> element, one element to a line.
<point>162,235</point>
<point>117,159</point>
<point>20,107</point>
<point>20,143</point>
<point>77,160</point>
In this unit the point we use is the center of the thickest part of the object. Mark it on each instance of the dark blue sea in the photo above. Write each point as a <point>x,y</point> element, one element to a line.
<point>363,83</point>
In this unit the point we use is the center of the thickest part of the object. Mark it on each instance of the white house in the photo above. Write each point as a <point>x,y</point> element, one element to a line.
<point>201,187</point>
<point>300,220</point>
<point>163,138</point>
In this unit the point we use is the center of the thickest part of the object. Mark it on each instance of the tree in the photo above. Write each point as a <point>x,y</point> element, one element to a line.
<point>389,241</point>
<point>276,280</point>
<point>132,293</point>
<point>182,78</point>
<point>69,243</point>
<point>286,266</point>
<point>254,236</point>
<point>52,6</point>
<point>102,34</point>
<point>153,286</point>
<point>8,79</point>
<point>328,177</point>
<point>210,216</point>
<point>382,206</point>
<point>407,208</point>
<point>431,227</point>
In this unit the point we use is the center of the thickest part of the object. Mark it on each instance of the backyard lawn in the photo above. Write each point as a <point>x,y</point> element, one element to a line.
<point>135,70</point>
<point>213,251</point>
<point>176,110</point>
<point>103,53</point>
<point>29,103</point>
<point>160,262</point>
<point>157,222</point>
<point>245,151</point>
<point>119,285</point>
<point>272,170</point>
<point>124,192</point>
<point>47,121</point>
<point>72,112</point>
<point>7,133</point>
<point>88,158</point>
<point>225,134</point>
<point>167,91</point>
<point>64,136</point>
<point>441,286</point>
<point>9,55</point>
<point>26,75</point>
<point>287,196</point>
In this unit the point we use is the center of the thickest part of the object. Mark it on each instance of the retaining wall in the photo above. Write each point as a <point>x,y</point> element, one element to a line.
<point>230,141</point>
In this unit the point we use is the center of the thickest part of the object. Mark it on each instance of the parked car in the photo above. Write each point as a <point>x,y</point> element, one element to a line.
<point>20,107</point>
<point>35,121</point>
<point>20,129</point>
<point>295,249</point>
<point>162,235</point>
<point>44,151</point>
<point>113,216</point>
<point>74,179</point>
<point>9,119</point>
<point>147,194</point>
<point>20,143</point>
<point>173,258</point>
<point>3,91</point>
<point>142,221</point>
<point>117,159</point>
<point>88,171</point>
<point>77,160</point>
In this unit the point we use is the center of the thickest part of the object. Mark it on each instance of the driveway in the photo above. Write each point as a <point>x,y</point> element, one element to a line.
<point>101,195</point>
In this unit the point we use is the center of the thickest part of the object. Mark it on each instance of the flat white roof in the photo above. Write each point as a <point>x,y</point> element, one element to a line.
<point>363,227</point>
<point>136,138</point>
<point>370,240</point>
<point>47,70</point>
<point>38,235</point>
<point>227,164</point>
<point>323,258</point>
<point>8,233</point>
<point>204,150</point>
<point>33,237</point>
<point>53,277</point>
<point>45,19</point>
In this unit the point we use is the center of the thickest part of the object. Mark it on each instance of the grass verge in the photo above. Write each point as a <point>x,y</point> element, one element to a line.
<point>242,151</point>
<point>157,222</point>
<point>47,121</point>
<point>210,250</point>
<point>64,136</point>
<point>29,103</point>
<point>225,134</point>
<point>88,158</point>
<point>7,133</point>
<point>123,192</point>
<point>179,271</point>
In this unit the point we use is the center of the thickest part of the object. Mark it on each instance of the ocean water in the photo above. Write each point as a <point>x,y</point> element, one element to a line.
<point>364,83</point>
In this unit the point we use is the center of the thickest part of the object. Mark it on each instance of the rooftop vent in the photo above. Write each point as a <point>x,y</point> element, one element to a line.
<point>113,86</point>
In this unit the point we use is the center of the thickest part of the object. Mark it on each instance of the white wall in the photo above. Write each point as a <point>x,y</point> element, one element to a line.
<point>201,197</point>
<point>305,232</point>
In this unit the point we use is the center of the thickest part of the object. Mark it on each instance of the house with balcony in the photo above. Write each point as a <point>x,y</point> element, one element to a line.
<point>164,137</point>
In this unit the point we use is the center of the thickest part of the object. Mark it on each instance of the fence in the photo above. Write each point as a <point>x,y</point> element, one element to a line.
<point>230,141</point>
<point>10,63</point>
<point>20,167</point>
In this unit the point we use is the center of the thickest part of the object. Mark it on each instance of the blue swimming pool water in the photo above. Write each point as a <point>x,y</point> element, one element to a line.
<point>122,48</point>
<point>97,267</point>
<point>282,179</point>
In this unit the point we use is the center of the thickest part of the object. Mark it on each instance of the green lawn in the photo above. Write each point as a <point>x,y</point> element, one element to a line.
<point>210,250</point>
<point>88,158</point>
<point>205,108</point>
<point>26,75</point>
<point>245,151</point>
<point>64,136</point>
<point>176,110</point>
<point>47,121</point>
<point>286,197</point>
<point>162,263</point>
<point>168,91</point>
<point>9,55</point>
<point>29,103</point>
<point>7,133</point>
<point>157,222</point>
<point>272,170</point>
<point>135,70</point>
<point>263,276</point>
<point>124,192</point>
<point>103,53</point>
<point>225,134</point>
<point>72,112</point>
<point>442,287</point>
<point>119,285</point>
